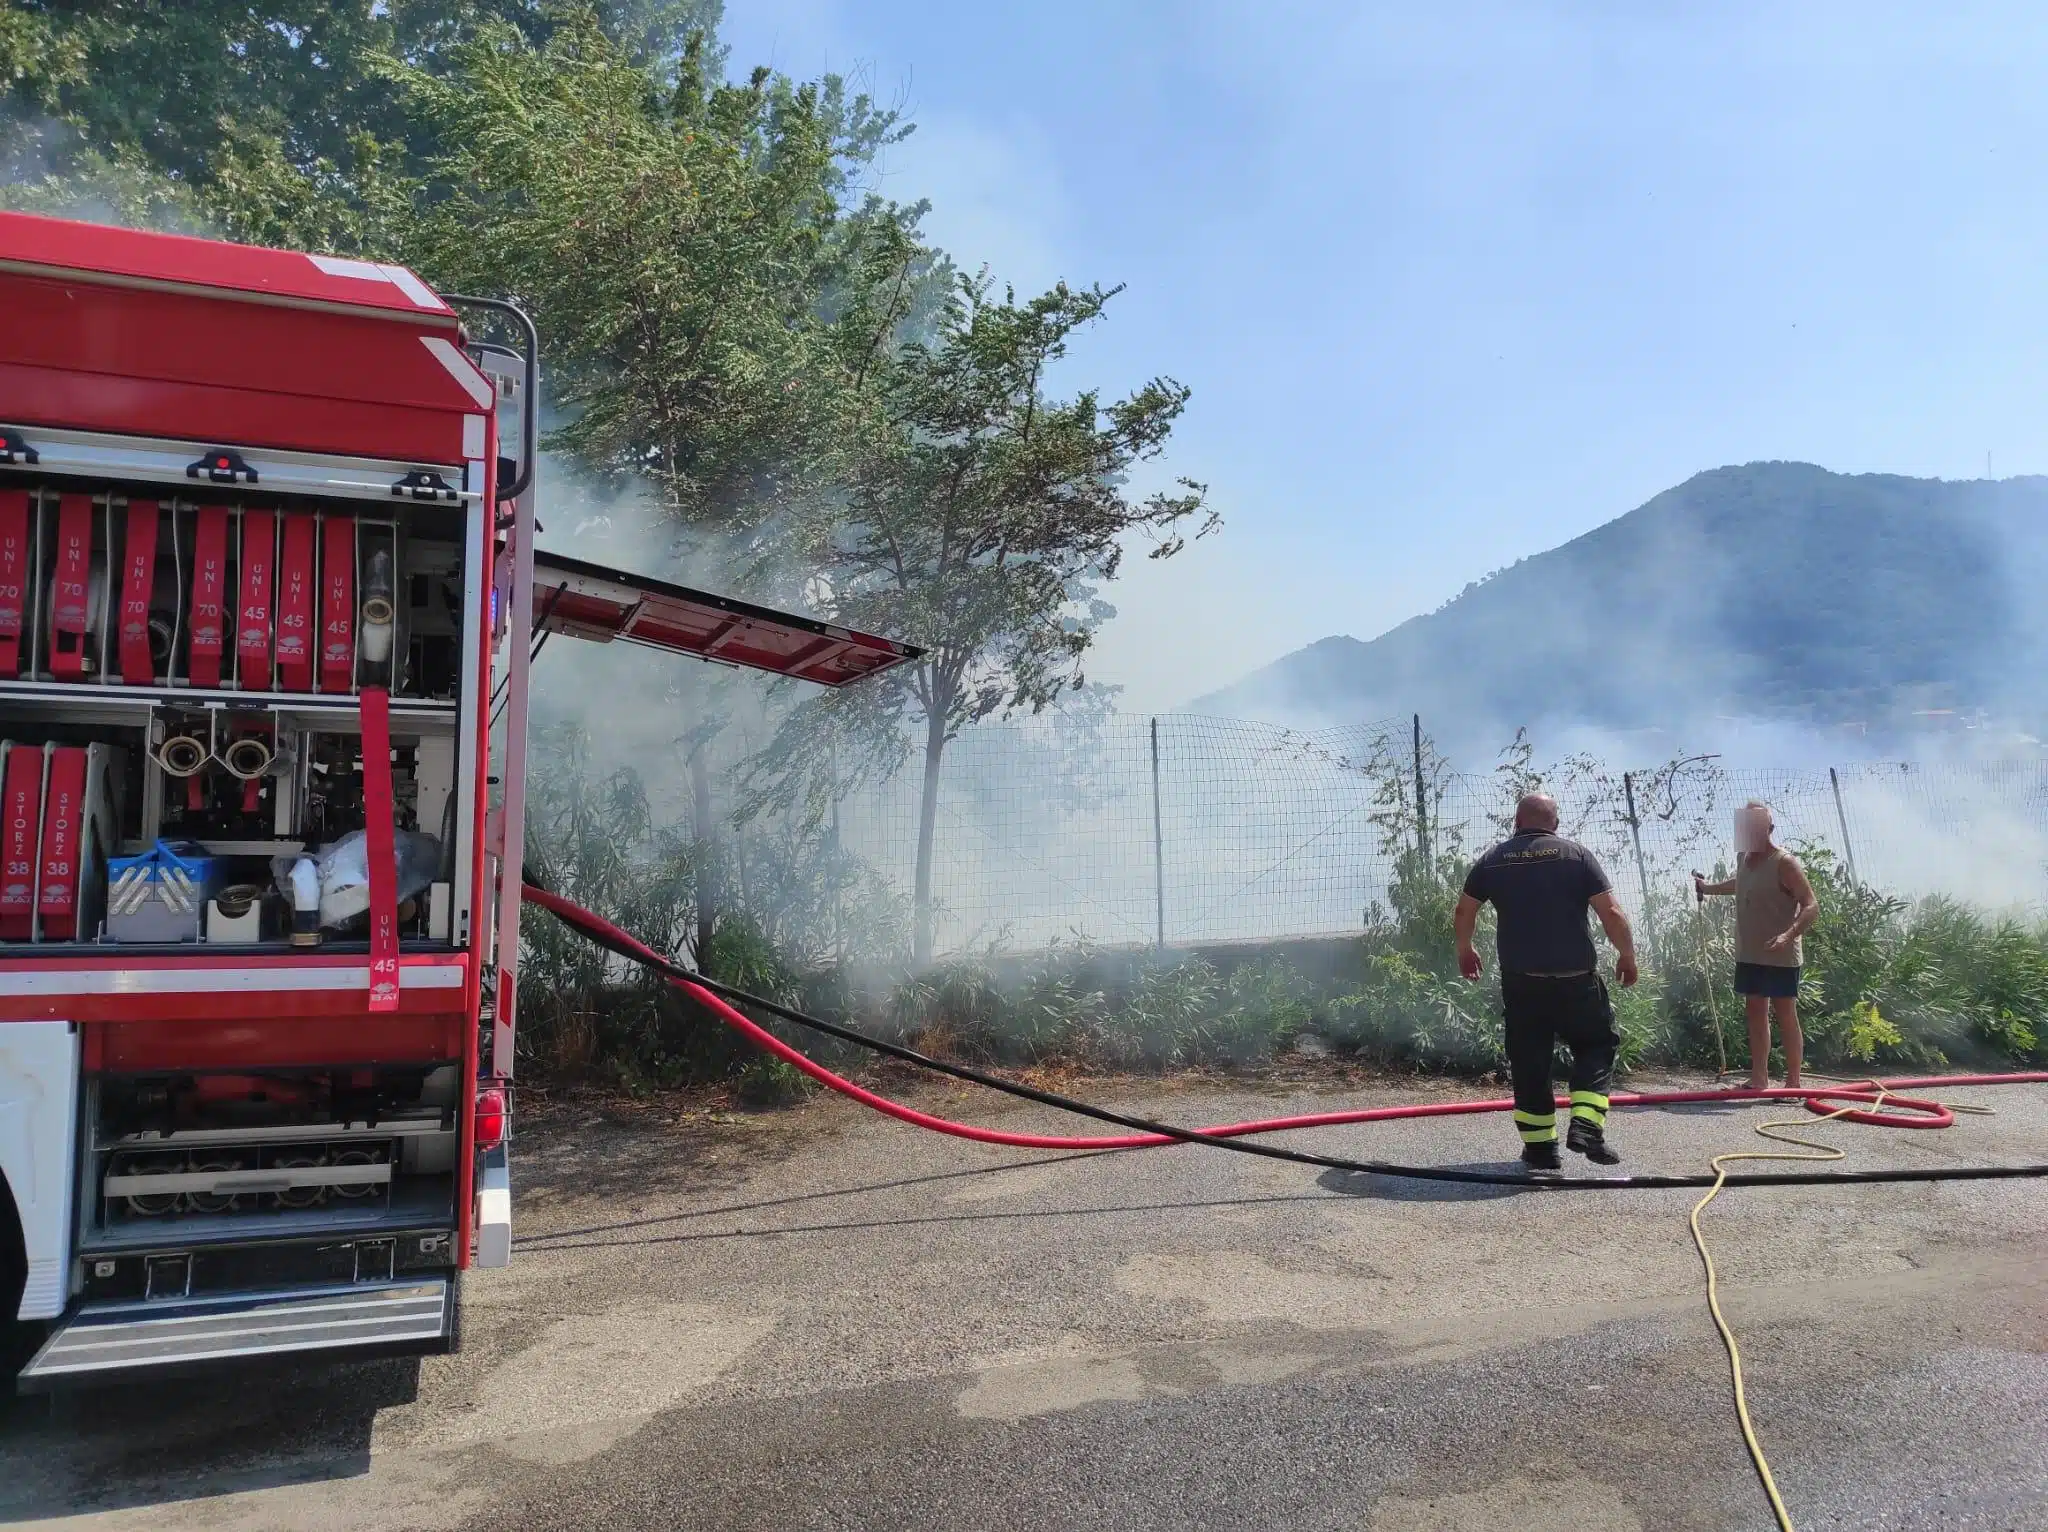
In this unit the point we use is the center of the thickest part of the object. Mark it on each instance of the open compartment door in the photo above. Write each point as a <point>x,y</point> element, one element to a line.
<point>582,600</point>
<point>552,593</point>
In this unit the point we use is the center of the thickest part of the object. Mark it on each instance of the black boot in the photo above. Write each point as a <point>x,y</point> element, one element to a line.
<point>1541,1157</point>
<point>1583,1138</point>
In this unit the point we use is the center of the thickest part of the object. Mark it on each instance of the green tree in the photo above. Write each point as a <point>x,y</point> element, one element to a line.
<point>1425,847</point>
<point>979,517</point>
<point>707,271</point>
<point>677,246</point>
<point>277,121</point>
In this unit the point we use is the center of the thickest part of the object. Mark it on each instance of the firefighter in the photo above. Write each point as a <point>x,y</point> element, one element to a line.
<point>1540,885</point>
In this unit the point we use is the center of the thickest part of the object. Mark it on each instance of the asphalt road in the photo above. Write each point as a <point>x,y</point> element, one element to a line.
<point>819,1319</point>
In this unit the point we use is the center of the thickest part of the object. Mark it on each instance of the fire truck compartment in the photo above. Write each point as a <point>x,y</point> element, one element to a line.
<point>178,1163</point>
<point>182,670</point>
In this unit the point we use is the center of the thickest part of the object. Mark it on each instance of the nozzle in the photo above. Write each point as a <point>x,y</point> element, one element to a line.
<point>374,644</point>
<point>182,756</point>
<point>305,903</point>
<point>247,758</point>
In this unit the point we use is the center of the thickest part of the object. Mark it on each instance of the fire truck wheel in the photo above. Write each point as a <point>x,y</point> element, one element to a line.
<point>17,1340</point>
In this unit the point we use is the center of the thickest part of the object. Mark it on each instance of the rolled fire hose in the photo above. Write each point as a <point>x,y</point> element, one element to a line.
<point>95,603</point>
<point>162,634</point>
<point>95,599</point>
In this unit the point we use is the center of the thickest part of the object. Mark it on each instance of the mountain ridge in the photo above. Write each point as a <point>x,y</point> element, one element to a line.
<point>1770,589</point>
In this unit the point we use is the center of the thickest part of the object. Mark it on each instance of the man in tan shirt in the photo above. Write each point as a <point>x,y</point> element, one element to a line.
<point>1774,908</point>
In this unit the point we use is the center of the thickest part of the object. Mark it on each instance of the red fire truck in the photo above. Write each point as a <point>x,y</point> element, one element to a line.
<point>268,591</point>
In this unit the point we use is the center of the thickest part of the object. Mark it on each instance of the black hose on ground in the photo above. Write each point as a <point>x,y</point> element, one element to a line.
<point>603,934</point>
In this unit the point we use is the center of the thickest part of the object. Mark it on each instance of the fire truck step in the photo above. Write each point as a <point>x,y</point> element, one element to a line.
<point>104,1340</point>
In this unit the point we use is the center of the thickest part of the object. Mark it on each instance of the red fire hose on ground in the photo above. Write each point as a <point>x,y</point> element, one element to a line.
<point>1147,1134</point>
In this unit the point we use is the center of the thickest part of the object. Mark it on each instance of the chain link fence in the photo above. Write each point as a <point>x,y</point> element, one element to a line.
<point>1128,831</point>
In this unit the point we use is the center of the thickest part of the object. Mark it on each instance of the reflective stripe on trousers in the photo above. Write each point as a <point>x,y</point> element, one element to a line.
<point>1537,1127</point>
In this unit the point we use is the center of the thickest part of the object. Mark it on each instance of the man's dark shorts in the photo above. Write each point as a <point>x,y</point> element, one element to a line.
<point>1767,979</point>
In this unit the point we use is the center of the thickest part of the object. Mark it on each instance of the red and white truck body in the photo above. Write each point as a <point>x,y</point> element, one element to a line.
<point>268,586</point>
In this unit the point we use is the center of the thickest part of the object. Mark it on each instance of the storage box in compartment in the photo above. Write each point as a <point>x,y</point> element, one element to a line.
<point>161,895</point>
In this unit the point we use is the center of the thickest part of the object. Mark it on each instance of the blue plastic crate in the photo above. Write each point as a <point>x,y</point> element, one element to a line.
<point>160,896</point>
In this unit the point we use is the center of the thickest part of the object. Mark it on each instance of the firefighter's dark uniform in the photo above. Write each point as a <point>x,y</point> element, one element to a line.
<point>1539,885</point>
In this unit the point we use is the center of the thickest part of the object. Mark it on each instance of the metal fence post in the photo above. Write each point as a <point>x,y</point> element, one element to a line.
<point>838,884</point>
<point>1421,799</point>
<point>1158,850</point>
<point>1842,819</point>
<point>1635,832</point>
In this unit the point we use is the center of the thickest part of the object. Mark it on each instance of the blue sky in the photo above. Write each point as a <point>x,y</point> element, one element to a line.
<point>1454,283</point>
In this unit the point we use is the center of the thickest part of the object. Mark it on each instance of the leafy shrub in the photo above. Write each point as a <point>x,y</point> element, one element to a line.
<point>1869,1031</point>
<point>1925,985</point>
<point>1056,1011</point>
<point>954,1008</point>
<point>1405,1014</point>
<point>1167,1020</point>
<point>1640,1017</point>
<point>1888,984</point>
<point>1695,979</point>
<point>766,1081</point>
<point>1264,1007</point>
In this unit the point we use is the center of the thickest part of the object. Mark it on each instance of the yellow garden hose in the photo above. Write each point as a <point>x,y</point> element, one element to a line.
<point>1773,1131</point>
